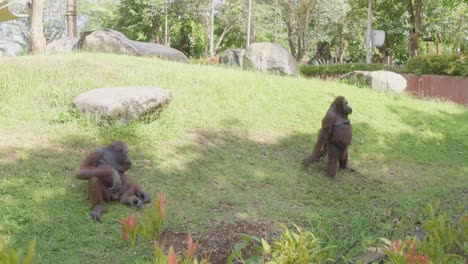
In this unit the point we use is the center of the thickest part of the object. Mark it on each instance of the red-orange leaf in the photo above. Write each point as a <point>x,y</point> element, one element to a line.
<point>192,247</point>
<point>172,258</point>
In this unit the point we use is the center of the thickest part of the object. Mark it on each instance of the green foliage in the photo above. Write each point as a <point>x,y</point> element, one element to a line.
<point>148,224</point>
<point>291,247</point>
<point>97,14</point>
<point>446,64</point>
<point>11,256</point>
<point>257,249</point>
<point>140,20</point>
<point>65,116</point>
<point>311,70</point>
<point>188,36</point>
<point>298,247</point>
<point>443,241</point>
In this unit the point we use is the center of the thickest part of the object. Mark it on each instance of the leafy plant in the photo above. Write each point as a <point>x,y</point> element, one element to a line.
<point>299,247</point>
<point>444,240</point>
<point>147,225</point>
<point>188,256</point>
<point>291,247</point>
<point>11,256</point>
<point>258,245</point>
<point>445,64</point>
<point>311,70</point>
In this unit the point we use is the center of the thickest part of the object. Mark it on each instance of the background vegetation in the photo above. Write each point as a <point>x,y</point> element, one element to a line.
<point>319,31</point>
<point>227,149</point>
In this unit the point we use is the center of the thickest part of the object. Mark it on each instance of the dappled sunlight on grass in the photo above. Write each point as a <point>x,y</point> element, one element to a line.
<point>229,147</point>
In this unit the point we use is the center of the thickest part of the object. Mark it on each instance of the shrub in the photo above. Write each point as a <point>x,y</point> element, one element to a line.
<point>311,70</point>
<point>149,225</point>
<point>11,256</point>
<point>444,241</point>
<point>446,64</point>
<point>291,247</point>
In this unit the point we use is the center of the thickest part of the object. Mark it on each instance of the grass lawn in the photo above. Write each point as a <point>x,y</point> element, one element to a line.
<point>227,150</point>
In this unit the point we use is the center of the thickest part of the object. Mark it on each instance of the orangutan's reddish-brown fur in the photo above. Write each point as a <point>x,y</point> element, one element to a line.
<point>105,170</point>
<point>334,138</point>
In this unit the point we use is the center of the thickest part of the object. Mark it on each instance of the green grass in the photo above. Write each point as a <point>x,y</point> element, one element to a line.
<point>227,148</point>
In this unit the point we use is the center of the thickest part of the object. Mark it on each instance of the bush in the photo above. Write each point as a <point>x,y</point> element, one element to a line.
<point>317,71</point>
<point>444,240</point>
<point>291,247</point>
<point>446,64</point>
<point>11,256</point>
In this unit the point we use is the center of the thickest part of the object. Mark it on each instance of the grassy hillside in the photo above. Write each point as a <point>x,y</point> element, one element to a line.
<point>227,149</point>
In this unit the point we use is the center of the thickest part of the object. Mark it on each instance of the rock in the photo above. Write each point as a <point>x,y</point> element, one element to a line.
<point>124,103</point>
<point>232,57</point>
<point>269,57</point>
<point>111,41</point>
<point>382,81</point>
<point>63,45</point>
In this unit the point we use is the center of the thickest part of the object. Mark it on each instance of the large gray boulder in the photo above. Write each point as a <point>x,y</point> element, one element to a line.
<point>232,57</point>
<point>111,41</point>
<point>269,57</point>
<point>63,45</point>
<point>381,81</point>
<point>124,103</point>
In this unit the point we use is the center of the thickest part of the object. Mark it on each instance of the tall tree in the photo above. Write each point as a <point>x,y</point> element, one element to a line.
<point>309,21</point>
<point>297,15</point>
<point>249,19</point>
<point>71,18</point>
<point>415,19</point>
<point>36,27</point>
<point>141,20</point>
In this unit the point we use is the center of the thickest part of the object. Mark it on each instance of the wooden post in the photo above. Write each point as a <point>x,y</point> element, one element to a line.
<point>36,28</point>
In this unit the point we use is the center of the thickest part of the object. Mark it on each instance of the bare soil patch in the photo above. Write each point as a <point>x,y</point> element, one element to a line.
<point>219,241</point>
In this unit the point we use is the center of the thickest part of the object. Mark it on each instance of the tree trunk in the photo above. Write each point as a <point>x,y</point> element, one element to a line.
<point>339,55</point>
<point>249,19</point>
<point>275,22</point>
<point>415,18</point>
<point>218,43</point>
<point>36,27</point>
<point>166,41</point>
<point>212,28</point>
<point>438,42</point>
<point>71,19</point>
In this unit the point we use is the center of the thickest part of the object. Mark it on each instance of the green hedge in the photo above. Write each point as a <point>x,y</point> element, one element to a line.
<point>447,64</point>
<point>311,70</point>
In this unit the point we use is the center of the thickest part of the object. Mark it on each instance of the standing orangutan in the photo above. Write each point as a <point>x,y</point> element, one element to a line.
<point>334,137</point>
<point>104,169</point>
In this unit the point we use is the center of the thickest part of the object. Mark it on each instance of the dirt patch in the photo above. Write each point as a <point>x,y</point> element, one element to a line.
<point>219,241</point>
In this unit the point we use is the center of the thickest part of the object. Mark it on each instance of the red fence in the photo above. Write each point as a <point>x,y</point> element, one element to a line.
<point>447,87</point>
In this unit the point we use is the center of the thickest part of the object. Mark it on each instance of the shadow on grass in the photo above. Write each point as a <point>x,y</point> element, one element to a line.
<point>212,177</point>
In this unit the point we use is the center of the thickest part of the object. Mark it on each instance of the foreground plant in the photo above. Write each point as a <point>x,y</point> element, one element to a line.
<point>150,225</point>
<point>11,256</point>
<point>188,256</point>
<point>291,247</point>
<point>444,240</point>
